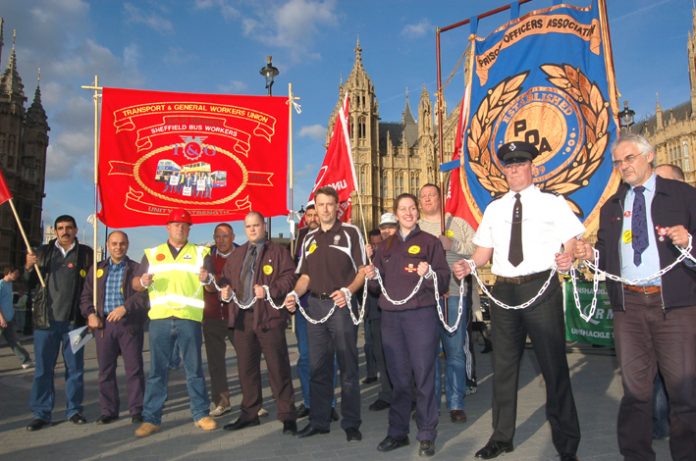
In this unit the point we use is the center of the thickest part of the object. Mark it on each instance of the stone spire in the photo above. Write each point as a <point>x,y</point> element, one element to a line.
<point>11,85</point>
<point>36,115</point>
<point>658,112</point>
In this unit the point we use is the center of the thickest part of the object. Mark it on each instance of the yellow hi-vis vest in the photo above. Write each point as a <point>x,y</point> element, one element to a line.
<point>176,290</point>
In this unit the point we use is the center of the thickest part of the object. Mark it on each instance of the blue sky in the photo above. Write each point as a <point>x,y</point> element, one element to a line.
<point>218,46</point>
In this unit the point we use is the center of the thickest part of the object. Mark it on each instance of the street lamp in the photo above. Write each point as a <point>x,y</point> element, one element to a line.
<point>626,118</point>
<point>269,72</point>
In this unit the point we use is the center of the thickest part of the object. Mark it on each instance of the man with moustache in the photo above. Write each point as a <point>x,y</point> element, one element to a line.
<point>331,270</point>
<point>117,323</point>
<point>640,228</point>
<point>523,231</point>
<point>215,320</point>
<point>172,274</point>
<point>63,263</point>
<point>260,328</point>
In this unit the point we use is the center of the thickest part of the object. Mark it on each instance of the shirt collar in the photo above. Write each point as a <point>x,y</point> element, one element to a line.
<point>62,250</point>
<point>649,184</point>
<point>113,265</point>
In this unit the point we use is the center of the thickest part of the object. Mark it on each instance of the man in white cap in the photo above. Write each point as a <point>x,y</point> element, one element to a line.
<point>173,273</point>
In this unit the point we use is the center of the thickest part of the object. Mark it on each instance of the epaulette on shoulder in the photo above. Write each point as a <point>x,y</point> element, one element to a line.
<point>544,191</point>
<point>496,197</point>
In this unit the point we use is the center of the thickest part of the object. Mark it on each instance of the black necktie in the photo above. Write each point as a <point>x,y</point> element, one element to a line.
<point>515,254</point>
<point>248,269</point>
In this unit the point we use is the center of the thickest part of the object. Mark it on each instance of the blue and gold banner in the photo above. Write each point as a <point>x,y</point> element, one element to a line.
<point>545,78</point>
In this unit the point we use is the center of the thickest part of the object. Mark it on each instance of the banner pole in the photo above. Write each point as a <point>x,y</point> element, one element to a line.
<point>26,241</point>
<point>291,187</point>
<point>95,223</point>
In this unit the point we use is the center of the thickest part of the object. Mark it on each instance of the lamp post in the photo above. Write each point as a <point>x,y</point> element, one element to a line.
<point>626,117</point>
<point>269,72</point>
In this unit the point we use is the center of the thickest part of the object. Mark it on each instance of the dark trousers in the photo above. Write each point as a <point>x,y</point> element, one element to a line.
<point>215,332</point>
<point>249,344</point>
<point>113,340</point>
<point>370,359</point>
<point>410,339</point>
<point>648,338</point>
<point>385,389</point>
<point>337,336</point>
<point>544,323</point>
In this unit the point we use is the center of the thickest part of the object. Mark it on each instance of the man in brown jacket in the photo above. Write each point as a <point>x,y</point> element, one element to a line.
<point>260,328</point>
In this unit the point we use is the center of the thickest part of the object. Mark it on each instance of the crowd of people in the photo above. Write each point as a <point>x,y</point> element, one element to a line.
<point>414,264</point>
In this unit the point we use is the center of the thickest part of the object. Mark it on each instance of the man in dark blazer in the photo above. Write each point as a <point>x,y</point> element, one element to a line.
<point>640,228</point>
<point>261,328</point>
<point>117,323</point>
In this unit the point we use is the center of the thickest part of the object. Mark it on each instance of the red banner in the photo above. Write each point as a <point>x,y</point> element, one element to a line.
<point>455,202</point>
<point>337,170</point>
<point>5,194</point>
<point>217,156</point>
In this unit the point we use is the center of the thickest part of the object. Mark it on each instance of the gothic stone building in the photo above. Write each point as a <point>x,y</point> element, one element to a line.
<point>390,157</point>
<point>673,131</point>
<point>23,144</point>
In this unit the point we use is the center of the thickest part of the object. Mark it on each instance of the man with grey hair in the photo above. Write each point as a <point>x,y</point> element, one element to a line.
<point>640,228</point>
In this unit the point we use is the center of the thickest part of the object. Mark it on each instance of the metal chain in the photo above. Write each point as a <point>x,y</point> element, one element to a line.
<point>430,274</point>
<point>348,295</point>
<point>685,254</point>
<point>524,305</point>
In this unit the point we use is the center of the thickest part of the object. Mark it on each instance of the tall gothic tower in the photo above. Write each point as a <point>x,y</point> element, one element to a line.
<point>23,144</point>
<point>390,157</point>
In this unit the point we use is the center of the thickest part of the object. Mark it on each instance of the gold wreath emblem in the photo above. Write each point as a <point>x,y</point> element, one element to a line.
<point>595,113</point>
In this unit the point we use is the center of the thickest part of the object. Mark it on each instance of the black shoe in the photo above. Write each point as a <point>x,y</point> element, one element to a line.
<point>390,443</point>
<point>137,419</point>
<point>493,449</point>
<point>379,405</point>
<point>77,419</point>
<point>37,424</point>
<point>290,427</point>
<point>568,457</point>
<point>369,380</point>
<point>310,430</point>
<point>353,433</point>
<point>427,448</point>
<point>104,419</point>
<point>457,416</point>
<point>334,415</point>
<point>302,411</point>
<point>241,424</point>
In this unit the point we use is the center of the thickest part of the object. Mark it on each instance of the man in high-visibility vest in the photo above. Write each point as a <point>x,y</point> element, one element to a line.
<point>172,274</point>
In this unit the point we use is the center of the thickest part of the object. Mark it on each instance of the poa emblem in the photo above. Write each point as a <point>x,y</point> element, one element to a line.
<point>567,121</point>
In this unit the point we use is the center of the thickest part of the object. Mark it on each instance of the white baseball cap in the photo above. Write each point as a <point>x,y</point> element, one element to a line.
<point>387,219</point>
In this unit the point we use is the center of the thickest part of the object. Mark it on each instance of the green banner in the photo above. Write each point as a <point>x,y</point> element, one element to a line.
<point>599,329</point>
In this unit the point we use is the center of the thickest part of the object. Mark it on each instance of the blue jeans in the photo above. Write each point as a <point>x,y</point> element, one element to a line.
<point>164,335</point>
<point>660,409</point>
<point>456,348</point>
<point>303,370</point>
<point>47,345</point>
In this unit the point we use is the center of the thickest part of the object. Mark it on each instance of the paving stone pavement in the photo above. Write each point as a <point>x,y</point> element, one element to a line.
<point>595,378</point>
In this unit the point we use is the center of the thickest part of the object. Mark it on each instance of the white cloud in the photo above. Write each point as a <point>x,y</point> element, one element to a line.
<point>233,87</point>
<point>176,56</point>
<point>68,151</point>
<point>227,11</point>
<point>417,30</point>
<point>291,25</point>
<point>152,20</point>
<point>316,131</point>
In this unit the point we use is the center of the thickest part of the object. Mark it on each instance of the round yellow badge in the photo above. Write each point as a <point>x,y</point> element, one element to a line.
<point>83,273</point>
<point>414,249</point>
<point>312,248</point>
<point>268,269</point>
<point>627,236</point>
<point>100,273</point>
<point>449,233</point>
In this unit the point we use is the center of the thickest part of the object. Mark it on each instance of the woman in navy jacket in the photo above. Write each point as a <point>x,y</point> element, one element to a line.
<point>409,330</point>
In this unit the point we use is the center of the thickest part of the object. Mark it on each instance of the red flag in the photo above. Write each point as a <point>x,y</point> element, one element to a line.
<point>338,170</point>
<point>455,202</point>
<point>5,194</point>
<point>217,156</point>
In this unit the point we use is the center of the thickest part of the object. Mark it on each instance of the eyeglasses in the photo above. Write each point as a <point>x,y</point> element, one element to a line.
<point>628,160</point>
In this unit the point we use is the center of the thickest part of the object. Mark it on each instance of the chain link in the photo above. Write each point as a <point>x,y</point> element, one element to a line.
<point>348,295</point>
<point>524,305</point>
<point>430,274</point>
